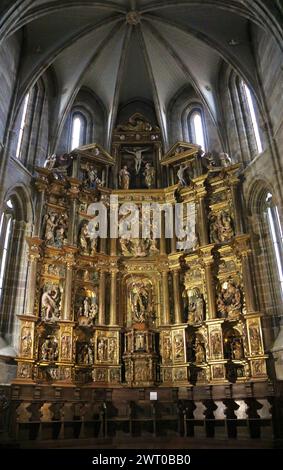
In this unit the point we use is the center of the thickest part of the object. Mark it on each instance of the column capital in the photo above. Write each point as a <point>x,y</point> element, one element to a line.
<point>42,182</point>
<point>70,255</point>
<point>242,245</point>
<point>174,261</point>
<point>207,254</point>
<point>74,190</point>
<point>34,244</point>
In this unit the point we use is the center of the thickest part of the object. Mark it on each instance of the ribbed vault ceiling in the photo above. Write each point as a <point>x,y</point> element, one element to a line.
<point>152,55</point>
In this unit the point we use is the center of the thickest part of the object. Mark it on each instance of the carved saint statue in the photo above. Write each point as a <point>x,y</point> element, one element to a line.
<point>255,339</point>
<point>50,304</point>
<point>50,162</point>
<point>91,179</point>
<point>102,349</point>
<point>229,300</point>
<point>85,355</point>
<point>237,349</point>
<point>26,341</point>
<point>149,175</point>
<point>178,346</point>
<point>199,351</point>
<point>221,227</point>
<point>195,305</point>
<point>87,244</point>
<point>49,349</point>
<point>225,160</point>
<point>139,301</point>
<point>55,229</point>
<point>124,178</point>
<point>216,344</point>
<point>182,180</point>
<point>137,152</point>
<point>112,349</point>
<point>167,349</point>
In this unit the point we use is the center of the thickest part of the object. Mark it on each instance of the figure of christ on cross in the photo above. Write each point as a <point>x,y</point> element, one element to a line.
<point>137,152</point>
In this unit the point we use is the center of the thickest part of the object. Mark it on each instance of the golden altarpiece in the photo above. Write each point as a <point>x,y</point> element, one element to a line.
<point>139,312</point>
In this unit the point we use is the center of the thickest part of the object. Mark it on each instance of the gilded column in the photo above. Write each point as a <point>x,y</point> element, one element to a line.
<point>73,194</point>
<point>101,312</point>
<point>177,298</point>
<point>113,246</point>
<point>166,305</point>
<point>70,262</point>
<point>209,281</point>
<point>202,215</point>
<point>162,238</point>
<point>244,251</point>
<point>34,256</point>
<point>113,298</point>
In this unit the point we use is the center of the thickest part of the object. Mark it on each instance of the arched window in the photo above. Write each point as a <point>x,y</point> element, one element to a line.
<point>23,125</point>
<point>243,119</point>
<point>78,131</point>
<point>196,128</point>
<point>276,235</point>
<point>14,229</point>
<point>253,117</point>
<point>5,237</point>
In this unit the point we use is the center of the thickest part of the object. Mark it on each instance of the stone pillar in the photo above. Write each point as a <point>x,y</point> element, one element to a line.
<point>101,299</point>
<point>113,298</point>
<point>166,305</point>
<point>67,304</point>
<point>41,185</point>
<point>209,281</point>
<point>244,251</point>
<point>34,255</point>
<point>237,209</point>
<point>177,298</point>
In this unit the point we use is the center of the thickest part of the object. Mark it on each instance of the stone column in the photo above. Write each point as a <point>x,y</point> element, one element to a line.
<point>237,210</point>
<point>209,281</point>
<point>41,185</point>
<point>113,298</point>
<point>34,255</point>
<point>101,299</point>
<point>68,288</point>
<point>244,251</point>
<point>166,305</point>
<point>177,298</point>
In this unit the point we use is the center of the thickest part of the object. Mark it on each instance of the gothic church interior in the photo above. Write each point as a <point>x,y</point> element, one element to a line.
<point>125,338</point>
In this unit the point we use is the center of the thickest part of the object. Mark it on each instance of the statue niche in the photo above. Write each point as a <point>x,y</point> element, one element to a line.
<point>86,306</point>
<point>136,167</point>
<point>229,300</point>
<point>194,305</point>
<point>221,227</point>
<point>86,241</point>
<point>50,303</point>
<point>55,231</point>
<point>140,295</point>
